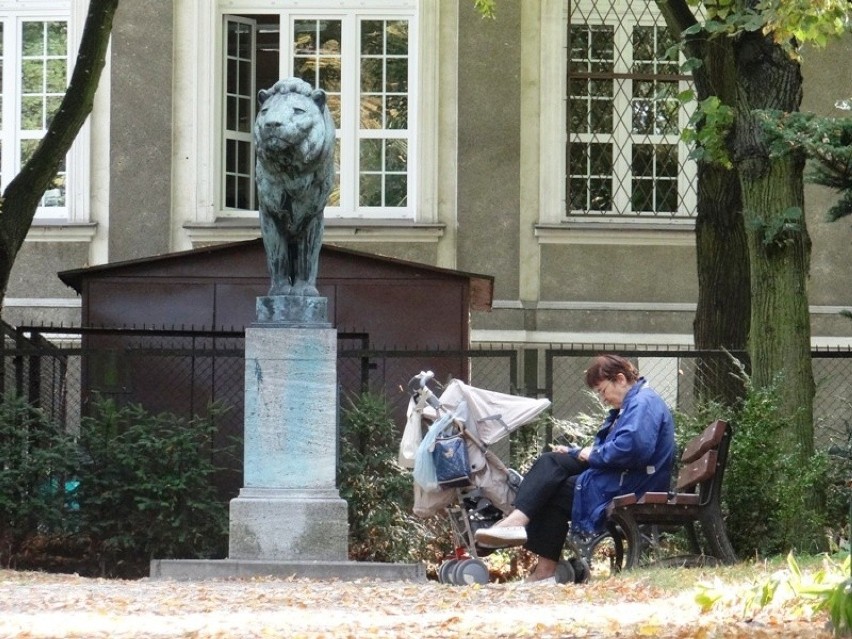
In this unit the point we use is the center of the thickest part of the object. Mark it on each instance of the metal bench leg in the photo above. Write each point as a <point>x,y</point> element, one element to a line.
<point>631,536</point>
<point>713,527</point>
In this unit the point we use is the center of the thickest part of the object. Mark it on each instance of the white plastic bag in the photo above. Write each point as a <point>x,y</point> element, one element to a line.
<point>411,436</point>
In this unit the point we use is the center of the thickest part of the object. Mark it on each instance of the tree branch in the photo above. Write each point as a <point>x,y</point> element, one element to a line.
<point>21,197</point>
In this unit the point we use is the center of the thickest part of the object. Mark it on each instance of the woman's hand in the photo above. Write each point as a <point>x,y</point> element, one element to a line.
<point>584,453</point>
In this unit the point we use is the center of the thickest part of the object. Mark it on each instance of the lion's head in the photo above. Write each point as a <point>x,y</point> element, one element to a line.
<point>293,127</point>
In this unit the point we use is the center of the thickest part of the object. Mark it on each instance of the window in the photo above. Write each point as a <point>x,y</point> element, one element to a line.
<point>35,69</point>
<point>364,60</point>
<point>622,159</point>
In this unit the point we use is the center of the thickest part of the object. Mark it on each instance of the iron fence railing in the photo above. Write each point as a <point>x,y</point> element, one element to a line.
<point>186,372</point>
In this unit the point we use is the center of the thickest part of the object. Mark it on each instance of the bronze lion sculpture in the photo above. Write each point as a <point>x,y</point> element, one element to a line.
<point>294,139</point>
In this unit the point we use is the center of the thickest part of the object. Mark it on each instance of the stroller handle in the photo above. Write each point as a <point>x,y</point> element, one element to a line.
<point>419,385</point>
<point>420,380</point>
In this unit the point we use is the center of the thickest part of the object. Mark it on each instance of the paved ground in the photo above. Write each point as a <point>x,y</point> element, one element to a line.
<point>38,605</point>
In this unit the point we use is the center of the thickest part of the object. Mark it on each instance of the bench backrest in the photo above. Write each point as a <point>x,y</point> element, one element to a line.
<point>703,461</point>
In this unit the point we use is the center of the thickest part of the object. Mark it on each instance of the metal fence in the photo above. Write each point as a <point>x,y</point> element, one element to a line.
<point>185,372</point>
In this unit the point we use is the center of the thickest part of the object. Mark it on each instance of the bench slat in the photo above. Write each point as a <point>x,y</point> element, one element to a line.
<point>697,472</point>
<point>710,438</point>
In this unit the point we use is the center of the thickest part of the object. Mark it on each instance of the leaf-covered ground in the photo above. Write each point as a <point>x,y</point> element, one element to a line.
<point>42,605</point>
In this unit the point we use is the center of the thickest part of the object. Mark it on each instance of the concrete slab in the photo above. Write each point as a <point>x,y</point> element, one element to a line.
<point>203,569</point>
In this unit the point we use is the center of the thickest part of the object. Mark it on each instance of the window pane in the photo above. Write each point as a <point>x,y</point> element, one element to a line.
<point>397,38</point>
<point>371,112</point>
<point>32,76</point>
<point>667,160</point>
<point>642,199</point>
<point>32,113</point>
<point>600,159</point>
<point>600,116</point>
<point>396,155</point>
<point>245,122</point>
<point>397,112</point>
<point>33,39</point>
<point>371,155</point>
<point>667,197</point>
<point>56,75</point>
<point>371,190</point>
<point>397,75</point>
<point>330,77</point>
<point>396,190</point>
<point>372,37</point>
<point>371,75</point>
<point>590,182</point>
<point>57,39</point>
<point>643,160</point>
<point>231,113</point>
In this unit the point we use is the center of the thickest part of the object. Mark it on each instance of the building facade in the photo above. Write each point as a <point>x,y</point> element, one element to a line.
<point>541,148</point>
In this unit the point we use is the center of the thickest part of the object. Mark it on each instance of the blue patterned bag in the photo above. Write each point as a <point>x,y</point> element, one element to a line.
<point>452,466</point>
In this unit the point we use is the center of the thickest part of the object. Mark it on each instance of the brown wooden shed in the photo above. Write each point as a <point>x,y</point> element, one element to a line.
<point>397,302</point>
<point>374,303</point>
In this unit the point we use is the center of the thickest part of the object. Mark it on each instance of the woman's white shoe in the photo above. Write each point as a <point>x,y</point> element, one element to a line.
<point>501,536</point>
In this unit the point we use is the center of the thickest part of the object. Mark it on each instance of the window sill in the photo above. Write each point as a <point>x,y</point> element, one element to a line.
<point>617,232</point>
<point>61,231</point>
<point>228,230</point>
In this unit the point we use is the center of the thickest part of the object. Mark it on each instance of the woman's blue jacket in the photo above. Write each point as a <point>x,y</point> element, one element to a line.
<point>633,452</point>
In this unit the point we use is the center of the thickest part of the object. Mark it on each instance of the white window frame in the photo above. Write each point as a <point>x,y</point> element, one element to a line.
<point>554,136</point>
<point>197,209</point>
<point>77,189</point>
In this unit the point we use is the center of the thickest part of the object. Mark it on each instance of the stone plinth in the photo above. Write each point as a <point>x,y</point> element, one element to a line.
<point>289,507</point>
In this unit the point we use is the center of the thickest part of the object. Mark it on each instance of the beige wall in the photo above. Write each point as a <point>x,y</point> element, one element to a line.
<point>140,131</point>
<point>632,286</point>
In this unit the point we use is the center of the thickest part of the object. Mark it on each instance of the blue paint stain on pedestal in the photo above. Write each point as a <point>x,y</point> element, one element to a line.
<point>289,507</point>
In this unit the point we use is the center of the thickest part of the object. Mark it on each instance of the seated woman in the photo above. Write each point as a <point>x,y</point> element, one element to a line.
<point>632,452</point>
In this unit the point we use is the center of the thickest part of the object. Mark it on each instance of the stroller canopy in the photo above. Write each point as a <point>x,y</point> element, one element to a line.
<point>491,415</point>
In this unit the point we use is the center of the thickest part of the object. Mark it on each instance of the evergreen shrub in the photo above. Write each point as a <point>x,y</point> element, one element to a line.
<point>379,492</point>
<point>37,458</point>
<point>146,488</point>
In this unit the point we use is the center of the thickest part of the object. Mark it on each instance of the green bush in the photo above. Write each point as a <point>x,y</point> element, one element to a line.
<point>36,459</point>
<point>772,500</point>
<point>772,504</point>
<point>380,493</point>
<point>146,485</point>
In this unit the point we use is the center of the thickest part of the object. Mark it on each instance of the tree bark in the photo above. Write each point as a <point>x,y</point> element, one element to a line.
<point>724,297</point>
<point>22,195</point>
<point>779,344</point>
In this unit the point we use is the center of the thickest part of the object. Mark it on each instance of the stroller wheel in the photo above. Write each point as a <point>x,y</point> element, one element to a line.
<point>445,571</point>
<point>582,573</point>
<point>470,571</point>
<point>564,572</point>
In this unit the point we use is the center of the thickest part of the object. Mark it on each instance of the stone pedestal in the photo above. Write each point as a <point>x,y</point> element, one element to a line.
<point>289,507</point>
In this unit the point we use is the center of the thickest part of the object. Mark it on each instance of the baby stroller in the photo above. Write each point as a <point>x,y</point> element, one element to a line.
<point>479,489</point>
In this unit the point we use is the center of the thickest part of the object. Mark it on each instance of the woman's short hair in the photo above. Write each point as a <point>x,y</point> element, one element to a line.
<point>607,367</point>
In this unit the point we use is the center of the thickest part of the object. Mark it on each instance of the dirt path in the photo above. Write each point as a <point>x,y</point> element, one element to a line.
<point>40,605</point>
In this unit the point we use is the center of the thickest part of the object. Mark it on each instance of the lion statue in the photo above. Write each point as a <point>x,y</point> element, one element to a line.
<point>294,138</point>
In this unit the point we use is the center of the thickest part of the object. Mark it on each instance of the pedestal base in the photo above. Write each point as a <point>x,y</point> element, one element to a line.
<point>275,524</point>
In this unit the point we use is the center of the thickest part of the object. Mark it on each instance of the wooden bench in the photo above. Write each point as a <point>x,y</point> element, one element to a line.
<point>695,500</point>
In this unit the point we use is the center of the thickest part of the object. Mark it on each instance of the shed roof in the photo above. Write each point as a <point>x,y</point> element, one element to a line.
<point>481,286</point>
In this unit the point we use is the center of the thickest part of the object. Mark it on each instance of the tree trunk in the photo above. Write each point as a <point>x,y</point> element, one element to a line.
<point>22,195</point>
<point>779,245</point>
<point>724,296</point>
